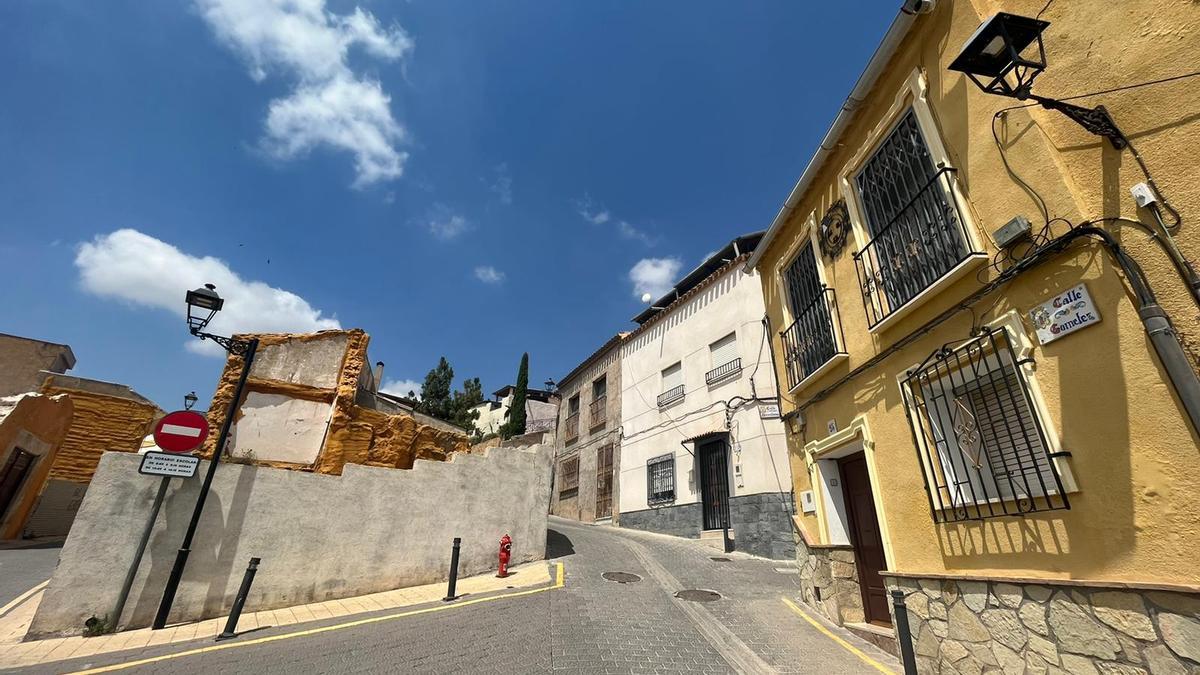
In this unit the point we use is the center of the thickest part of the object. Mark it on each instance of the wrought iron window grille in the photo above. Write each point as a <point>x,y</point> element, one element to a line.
<point>918,233</point>
<point>569,486</point>
<point>723,371</point>
<point>598,411</point>
<point>660,480</point>
<point>980,444</point>
<point>670,396</point>
<point>814,337</point>
<point>571,427</point>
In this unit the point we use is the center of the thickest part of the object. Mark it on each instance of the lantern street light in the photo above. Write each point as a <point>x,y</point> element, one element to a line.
<point>202,305</point>
<point>190,400</point>
<point>550,385</point>
<point>999,59</point>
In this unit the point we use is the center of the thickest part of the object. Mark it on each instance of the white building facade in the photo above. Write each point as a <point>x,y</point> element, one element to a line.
<point>702,444</point>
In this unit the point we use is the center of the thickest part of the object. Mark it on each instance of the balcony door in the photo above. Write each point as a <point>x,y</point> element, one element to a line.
<point>604,482</point>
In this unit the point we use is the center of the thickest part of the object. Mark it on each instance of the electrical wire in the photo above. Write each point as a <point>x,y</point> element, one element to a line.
<point>1041,203</point>
<point>1044,8</point>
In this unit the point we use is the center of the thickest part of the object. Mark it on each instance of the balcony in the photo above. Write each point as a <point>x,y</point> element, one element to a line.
<point>925,241</point>
<point>723,371</point>
<point>670,396</point>
<point>598,412</point>
<point>814,339</point>
<point>571,427</point>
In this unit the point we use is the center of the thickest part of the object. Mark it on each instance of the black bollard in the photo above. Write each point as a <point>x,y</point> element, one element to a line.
<point>903,634</point>
<point>240,601</point>
<point>453,572</point>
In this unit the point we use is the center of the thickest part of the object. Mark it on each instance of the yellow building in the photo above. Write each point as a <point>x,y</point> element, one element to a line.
<point>985,410</point>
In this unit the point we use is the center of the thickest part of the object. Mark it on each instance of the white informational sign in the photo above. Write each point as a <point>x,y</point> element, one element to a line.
<point>169,464</point>
<point>1063,314</point>
<point>768,411</point>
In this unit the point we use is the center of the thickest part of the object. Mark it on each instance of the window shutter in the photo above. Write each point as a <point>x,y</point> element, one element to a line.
<point>724,350</point>
<point>672,376</point>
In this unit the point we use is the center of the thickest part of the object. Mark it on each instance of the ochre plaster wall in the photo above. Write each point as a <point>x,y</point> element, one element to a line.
<point>99,424</point>
<point>356,435</point>
<point>1133,454</point>
<point>46,418</point>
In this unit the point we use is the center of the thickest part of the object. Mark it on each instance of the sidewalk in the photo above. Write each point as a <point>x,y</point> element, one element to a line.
<point>15,654</point>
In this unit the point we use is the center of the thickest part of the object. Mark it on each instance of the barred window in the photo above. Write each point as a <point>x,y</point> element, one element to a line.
<point>982,445</point>
<point>568,484</point>
<point>660,479</point>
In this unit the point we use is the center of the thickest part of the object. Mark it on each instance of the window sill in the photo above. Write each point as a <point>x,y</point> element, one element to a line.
<point>661,502</point>
<point>968,265</point>
<point>816,374</point>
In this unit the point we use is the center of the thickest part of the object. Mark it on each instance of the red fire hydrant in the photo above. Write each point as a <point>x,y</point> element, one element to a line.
<point>505,553</point>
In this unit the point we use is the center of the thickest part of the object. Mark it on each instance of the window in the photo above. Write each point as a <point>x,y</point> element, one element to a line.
<point>672,384</point>
<point>568,484</point>
<point>810,341</point>
<point>724,359</point>
<point>980,440</point>
<point>917,231</point>
<point>660,480</point>
<point>12,475</point>
<point>571,424</point>
<point>598,408</point>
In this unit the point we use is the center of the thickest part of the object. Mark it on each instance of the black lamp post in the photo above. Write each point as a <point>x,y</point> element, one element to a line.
<point>202,305</point>
<point>190,400</point>
<point>999,59</point>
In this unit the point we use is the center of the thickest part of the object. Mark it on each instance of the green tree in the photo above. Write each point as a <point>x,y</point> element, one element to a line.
<point>515,424</point>
<point>463,413</point>
<point>435,393</point>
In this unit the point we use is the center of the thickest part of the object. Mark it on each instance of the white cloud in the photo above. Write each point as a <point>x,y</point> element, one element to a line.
<point>655,276</point>
<point>401,387</point>
<point>139,269</point>
<point>444,223</point>
<point>330,105</point>
<point>489,275</point>
<point>502,186</point>
<point>591,212</point>
<point>628,231</point>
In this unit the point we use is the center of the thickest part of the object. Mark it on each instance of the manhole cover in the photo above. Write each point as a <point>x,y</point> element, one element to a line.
<point>720,559</point>
<point>698,595</point>
<point>621,577</point>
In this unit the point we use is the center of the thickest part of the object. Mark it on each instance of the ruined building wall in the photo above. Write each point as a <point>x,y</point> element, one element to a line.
<point>99,424</point>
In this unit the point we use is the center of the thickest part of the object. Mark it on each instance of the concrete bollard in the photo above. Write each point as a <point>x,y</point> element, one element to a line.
<point>450,590</point>
<point>240,601</point>
<point>903,633</point>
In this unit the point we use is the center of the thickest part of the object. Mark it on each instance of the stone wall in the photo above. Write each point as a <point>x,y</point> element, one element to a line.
<point>24,363</point>
<point>320,537</point>
<point>36,424</point>
<point>680,520</point>
<point>99,424</point>
<point>829,581</point>
<point>967,626</point>
<point>762,524</point>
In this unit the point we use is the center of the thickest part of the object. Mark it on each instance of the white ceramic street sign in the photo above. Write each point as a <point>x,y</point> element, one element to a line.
<point>169,464</point>
<point>1064,314</point>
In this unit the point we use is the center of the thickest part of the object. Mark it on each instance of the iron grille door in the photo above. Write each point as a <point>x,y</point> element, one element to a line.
<point>809,342</point>
<point>714,491</point>
<point>917,234</point>
<point>604,482</point>
<point>979,439</point>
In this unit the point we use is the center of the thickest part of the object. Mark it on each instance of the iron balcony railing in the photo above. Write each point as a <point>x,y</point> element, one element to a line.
<point>670,396</point>
<point>571,428</point>
<point>814,337</point>
<point>925,240</point>
<point>598,411</point>
<point>723,371</point>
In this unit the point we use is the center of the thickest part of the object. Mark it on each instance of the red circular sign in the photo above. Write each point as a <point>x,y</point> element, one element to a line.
<point>181,431</point>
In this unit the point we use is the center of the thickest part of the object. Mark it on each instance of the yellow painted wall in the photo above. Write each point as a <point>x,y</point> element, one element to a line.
<point>1134,457</point>
<point>47,419</point>
<point>99,424</point>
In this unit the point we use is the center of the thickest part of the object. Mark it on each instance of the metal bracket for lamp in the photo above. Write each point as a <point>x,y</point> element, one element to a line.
<point>1095,120</point>
<point>232,345</point>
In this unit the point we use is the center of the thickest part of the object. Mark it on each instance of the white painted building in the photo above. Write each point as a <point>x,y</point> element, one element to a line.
<point>541,410</point>
<point>702,442</point>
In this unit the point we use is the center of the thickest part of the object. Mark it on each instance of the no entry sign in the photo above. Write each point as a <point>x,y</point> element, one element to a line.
<point>181,431</point>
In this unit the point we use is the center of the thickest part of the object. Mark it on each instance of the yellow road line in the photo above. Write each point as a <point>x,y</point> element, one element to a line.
<point>558,583</point>
<point>849,647</point>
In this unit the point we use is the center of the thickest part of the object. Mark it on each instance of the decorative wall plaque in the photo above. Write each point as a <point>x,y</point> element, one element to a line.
<point>835,228</point>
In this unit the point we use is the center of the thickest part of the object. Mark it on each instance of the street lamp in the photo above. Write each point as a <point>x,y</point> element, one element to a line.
<point>550,385</point>
<point>999,59</point>
<point>202,305</point>
<point>190,400</point>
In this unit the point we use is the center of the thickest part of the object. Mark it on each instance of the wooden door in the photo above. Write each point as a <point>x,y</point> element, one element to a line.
<point>714,484</point>
<point>604,482</point>
<point>865,537</point>
<point>16,467</point>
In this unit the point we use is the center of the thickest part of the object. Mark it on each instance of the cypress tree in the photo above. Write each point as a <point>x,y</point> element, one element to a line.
<point>515,426</point>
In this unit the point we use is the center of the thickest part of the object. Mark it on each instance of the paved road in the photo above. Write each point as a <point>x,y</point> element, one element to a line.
<point>591,625</point>
<point>23,568</point>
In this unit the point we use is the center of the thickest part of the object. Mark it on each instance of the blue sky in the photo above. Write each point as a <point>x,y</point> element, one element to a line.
<point>467,179</point>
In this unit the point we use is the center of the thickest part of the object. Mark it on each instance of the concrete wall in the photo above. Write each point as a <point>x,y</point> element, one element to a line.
<point>319,536</point>
<point>22,361</point>
<point>758,461</point>
<point>277,428</point>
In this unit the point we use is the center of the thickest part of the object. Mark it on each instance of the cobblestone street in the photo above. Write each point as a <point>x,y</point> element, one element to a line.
<point>589,625</point>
